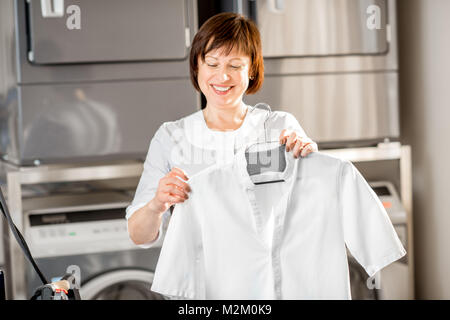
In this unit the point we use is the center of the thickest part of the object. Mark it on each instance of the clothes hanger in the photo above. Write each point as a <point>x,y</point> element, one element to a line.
<point>272,158</point>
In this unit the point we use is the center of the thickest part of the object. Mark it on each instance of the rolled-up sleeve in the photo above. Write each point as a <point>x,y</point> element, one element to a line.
<point>280,120</point>
<point>156,166</point>
<point>293,124</point>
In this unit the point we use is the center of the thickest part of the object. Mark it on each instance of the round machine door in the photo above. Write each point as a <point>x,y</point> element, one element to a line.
<point>126,284</point>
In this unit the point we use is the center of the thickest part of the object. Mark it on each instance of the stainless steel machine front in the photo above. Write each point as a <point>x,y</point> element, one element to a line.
<point>331,63</point>
<point>41,235</point>
<point>69,94</point>
<point>100,91</point>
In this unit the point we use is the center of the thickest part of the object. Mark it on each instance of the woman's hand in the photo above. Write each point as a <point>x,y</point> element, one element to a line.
<point>300,146</point>
<point>171,190</point>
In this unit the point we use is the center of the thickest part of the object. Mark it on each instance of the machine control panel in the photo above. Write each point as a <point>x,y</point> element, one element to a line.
<point>78,229</point>
<point>388,196</point>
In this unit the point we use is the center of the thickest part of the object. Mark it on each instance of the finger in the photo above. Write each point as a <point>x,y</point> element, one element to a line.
<point>283,135</point>
<point>307,149</point>
<point>180,173</point>
<point>166,187</point>
<point>170,188</point>
<point>297,148</point>
<point>177,191</point>
<point>173,180</point>
<point>305,140</point>
<point>174,175</point>
<point>167,198</point>
<point>290,141</point>
<point>174,199</point>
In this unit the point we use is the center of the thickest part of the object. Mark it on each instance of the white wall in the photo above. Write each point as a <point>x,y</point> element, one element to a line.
<point>424,57</point>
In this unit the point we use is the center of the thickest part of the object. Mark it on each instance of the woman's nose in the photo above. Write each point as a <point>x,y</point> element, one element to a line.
<point>223,74</point>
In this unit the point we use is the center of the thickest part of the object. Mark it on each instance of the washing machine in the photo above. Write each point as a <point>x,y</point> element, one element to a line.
<point>88,232</point>
<point>395,279</point>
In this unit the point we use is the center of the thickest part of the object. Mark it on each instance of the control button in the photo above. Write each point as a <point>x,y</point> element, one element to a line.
<point>387,204</point>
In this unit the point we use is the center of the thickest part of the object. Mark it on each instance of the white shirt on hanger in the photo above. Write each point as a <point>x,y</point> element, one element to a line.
<point>190,145</point>
<point>287,240</point>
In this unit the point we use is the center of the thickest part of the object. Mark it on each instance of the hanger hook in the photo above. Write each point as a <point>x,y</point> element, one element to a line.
<point>265,106</point>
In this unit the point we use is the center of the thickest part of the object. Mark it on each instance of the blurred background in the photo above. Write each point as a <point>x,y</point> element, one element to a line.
<point>84,85</point>
<point>425,111</point>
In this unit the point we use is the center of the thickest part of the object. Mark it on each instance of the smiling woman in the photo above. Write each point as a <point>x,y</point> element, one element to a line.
<point>235,38</point>
<point>225,63</point>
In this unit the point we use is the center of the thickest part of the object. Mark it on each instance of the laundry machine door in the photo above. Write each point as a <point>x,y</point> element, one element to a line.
<point>123,284</point>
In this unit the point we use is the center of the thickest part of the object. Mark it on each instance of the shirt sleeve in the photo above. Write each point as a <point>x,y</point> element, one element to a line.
<point>156,166</point>
<point>368,231</point>
<point>280,120</point>
<point>293,124</point>
<point>180,269</point>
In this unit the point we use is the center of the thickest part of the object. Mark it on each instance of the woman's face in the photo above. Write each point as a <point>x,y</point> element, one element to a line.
<point>223,79</point>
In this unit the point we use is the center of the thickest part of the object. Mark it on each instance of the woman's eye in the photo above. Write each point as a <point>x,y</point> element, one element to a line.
<point>212,65</point>
<point>235,67</point>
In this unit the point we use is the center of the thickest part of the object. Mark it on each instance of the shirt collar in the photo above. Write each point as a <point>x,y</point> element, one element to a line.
<point>199,135</point>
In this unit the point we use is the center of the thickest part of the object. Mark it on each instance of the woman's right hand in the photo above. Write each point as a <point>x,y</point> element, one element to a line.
<point>172,189</point>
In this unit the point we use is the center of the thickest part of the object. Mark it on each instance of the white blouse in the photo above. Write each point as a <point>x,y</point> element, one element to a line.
<point>235,239</point>
<point>189,144</point>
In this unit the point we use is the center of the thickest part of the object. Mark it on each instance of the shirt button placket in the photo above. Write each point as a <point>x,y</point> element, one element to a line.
<point>276,263</point>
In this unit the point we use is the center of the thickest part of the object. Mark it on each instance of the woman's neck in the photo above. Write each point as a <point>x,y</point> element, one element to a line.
<point>225,119</point>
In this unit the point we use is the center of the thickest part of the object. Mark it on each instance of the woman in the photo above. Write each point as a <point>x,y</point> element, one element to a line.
<point>225,63</point>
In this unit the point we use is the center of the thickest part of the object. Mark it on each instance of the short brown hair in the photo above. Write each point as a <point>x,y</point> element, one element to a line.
<point>227,30</point>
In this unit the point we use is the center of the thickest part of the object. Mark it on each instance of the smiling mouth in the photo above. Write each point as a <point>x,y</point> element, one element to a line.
<point>221,90</point>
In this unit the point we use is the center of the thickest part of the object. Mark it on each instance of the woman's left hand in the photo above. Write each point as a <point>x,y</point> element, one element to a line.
<point>300,146</point>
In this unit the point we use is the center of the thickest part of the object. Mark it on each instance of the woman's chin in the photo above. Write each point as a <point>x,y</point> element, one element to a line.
<point>230,100</point>
<point>226,104</point>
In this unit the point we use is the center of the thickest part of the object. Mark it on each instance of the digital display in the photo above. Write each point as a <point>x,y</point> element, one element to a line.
<point>381,191</point>
<point>76,216</point>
